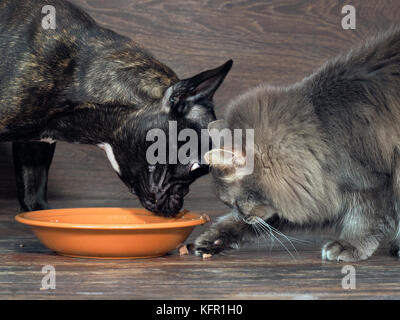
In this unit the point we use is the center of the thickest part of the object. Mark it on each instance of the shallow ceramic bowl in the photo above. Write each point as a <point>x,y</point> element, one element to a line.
<point>109,233</point>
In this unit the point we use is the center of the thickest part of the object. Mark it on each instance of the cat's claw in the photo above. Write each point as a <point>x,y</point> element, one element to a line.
<point>213,243</point>
<point>208,247</point>
<point>341,250</point>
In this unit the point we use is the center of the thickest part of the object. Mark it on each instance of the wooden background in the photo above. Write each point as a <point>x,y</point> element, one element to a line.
<point>278,42</point>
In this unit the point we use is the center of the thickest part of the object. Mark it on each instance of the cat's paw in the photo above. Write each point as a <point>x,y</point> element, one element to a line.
<point>35,206</point>
<point>341,250</point>
<point>213,242</point>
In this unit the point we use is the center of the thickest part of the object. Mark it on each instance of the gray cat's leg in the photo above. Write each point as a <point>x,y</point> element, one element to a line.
<point>361,233</point>
<point>227,233</point>
<point>350,250</point>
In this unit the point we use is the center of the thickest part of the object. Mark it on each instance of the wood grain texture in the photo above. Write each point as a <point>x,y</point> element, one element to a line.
<point>254,272</point>
<point>278,42</point>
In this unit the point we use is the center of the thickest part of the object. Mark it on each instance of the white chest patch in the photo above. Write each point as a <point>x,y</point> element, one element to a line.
<point>110,155</point>
<point>48,140</point>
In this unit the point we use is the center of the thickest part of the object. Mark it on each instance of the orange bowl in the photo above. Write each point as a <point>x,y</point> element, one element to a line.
<point>109,233</point>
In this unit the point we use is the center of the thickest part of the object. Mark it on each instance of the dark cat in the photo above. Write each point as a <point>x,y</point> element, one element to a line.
<point>84,83</point>
<point>326,153</point>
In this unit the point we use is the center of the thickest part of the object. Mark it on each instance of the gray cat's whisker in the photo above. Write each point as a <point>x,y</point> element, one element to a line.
<point>261,233</point>
<point>266,228</point>
<point>263,222</point>
<point>282,234</point>
<point>283,245</point>
<point>258,235</point>
<point>277,232</point>
<point>266,234</point>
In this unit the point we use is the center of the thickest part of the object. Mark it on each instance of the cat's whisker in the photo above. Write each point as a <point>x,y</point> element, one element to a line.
<point>265,227</point>
<point>266,234</point>
<point>281,234</point>
<point>261,227</point>
<point>258,235</point>
<point>300,241</point>
<point>295,240</point>
<point>290,237</point>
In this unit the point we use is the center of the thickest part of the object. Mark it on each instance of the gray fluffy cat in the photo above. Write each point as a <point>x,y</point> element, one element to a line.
<point>326,153</point>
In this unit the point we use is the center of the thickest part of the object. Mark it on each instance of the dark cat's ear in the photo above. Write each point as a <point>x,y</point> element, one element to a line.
<point>201,87</point>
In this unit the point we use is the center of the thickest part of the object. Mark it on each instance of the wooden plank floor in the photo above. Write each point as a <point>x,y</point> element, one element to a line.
<point>271,41</point>
<point>254,272</point>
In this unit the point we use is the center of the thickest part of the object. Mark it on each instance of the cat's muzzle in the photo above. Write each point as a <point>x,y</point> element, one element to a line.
<point>167,204</point>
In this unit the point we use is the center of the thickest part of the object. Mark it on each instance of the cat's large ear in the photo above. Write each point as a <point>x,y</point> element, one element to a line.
<point>222,158</point>
<point>216,125</point>
<point>183,94</point>
<point>217,134</point>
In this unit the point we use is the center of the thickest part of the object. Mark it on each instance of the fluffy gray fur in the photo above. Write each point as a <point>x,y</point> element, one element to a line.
<point>326,154</point>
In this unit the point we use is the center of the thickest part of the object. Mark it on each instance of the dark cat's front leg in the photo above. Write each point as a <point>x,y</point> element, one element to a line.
<point>31,164</point>
<point>227,233</point>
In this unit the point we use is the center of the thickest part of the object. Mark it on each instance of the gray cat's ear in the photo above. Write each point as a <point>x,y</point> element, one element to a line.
<point>215,131</point>
<point>216,125</point>
<point>223,158</point>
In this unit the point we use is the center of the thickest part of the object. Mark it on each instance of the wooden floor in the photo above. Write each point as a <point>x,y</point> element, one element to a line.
<point>255,272</point>
<point>270,41</point>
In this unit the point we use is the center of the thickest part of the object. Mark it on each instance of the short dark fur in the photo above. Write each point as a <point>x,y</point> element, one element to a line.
<point>326,155</point>
<point>84,83</point>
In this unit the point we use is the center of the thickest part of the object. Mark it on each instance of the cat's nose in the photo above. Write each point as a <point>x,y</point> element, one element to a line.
<point>154,193</point>
<point>152,196</point>
<point>167,208</point>
<point>149,204</point>
<point>169,205</point>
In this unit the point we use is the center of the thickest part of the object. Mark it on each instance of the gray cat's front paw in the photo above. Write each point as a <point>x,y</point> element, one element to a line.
<point>213,242</point>
<point>341,250</point>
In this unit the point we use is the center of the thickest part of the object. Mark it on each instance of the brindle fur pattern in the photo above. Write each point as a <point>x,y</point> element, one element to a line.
<point>78,66</point>
<point>87,84</point>
<point>326,155</point>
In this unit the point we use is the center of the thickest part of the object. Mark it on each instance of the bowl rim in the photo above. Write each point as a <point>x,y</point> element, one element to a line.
<point>194,220</point>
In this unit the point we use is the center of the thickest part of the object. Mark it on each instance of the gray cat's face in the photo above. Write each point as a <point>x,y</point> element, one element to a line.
<point>242,193</point>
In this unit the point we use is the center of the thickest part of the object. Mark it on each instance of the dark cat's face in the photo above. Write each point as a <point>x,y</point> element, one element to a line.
<point>161,185</point>
<point>147,149</point>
